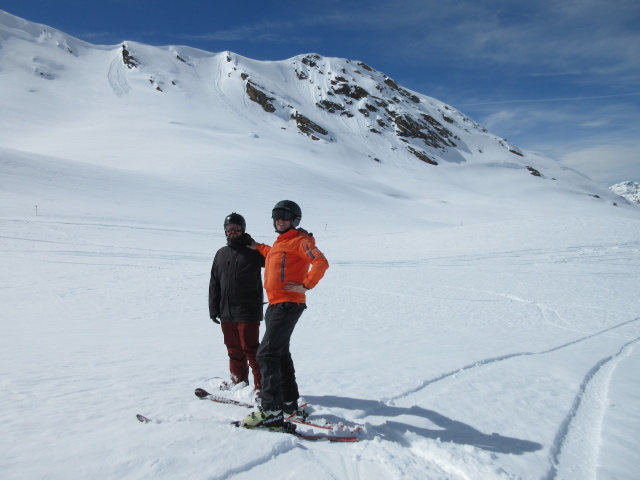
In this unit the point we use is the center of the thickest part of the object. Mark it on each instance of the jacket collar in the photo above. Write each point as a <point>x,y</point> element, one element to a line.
<point>288,234</point>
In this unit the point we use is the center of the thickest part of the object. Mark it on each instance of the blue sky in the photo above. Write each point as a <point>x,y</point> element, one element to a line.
<point>561,77</point>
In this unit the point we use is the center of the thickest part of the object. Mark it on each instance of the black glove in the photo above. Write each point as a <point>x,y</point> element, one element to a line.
<point>246,239</point>
<point>216,320</point>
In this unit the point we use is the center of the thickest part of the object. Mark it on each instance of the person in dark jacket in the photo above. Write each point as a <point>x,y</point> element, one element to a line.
<point>236,299</point>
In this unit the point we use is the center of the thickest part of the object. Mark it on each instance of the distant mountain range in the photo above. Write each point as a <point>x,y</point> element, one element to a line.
<point>628,190</point>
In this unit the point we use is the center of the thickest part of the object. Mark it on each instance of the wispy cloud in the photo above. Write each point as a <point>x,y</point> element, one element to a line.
<point>557,99</point>
<point>606,164</point>
<point>276,32</point>
<point>89,36</point>
<point>585,37</point>
<point>584,124</point>
<point>599,140</point>
<point>546,37</point>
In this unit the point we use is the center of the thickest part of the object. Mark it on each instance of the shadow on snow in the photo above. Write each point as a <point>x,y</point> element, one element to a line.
<point>450,430</point>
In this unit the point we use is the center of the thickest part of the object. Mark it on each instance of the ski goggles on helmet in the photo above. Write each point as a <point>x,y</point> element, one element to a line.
<point>281,214</point>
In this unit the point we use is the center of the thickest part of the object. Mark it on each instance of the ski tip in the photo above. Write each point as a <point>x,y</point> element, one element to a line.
<point>142,418</point>
<point>201,393</point>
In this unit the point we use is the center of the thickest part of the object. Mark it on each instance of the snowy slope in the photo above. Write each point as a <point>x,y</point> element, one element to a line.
<point>480,321</point>
<point>196,108</point>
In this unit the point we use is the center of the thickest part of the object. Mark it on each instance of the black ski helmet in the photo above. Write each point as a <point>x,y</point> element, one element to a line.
<point>289,206</point>
<point>235,219</point>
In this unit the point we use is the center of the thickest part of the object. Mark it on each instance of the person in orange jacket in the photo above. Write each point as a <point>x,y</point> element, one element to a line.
<point>293,265</point>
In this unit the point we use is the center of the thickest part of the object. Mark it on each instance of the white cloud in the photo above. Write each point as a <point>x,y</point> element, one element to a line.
<point>594,37</point>
<point>597,140</point>
<point>499,118</point>
<point>606,164</point>
<point>264,31</point>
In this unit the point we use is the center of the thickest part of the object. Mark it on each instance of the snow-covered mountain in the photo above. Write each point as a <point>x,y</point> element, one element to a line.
<point>217,110</point>
<point>479,318</point>
<point>628,190</point>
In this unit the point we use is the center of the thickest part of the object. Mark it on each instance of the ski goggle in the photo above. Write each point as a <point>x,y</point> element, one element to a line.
<point>281,214</point>
<point>232,228</point>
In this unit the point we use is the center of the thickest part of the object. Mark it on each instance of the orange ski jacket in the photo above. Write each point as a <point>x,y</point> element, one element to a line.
<point>288,260</point>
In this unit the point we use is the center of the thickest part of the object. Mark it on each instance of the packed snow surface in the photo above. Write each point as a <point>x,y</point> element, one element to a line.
<point>478,321</point>
<point>500,348</point>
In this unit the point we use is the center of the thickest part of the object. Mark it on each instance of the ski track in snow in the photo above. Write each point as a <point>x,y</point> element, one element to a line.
<point>219,94</point>
<point>549,315</point>
<point>613,252</point>
<point>117,77</point>
<point>277,450</point>
<point>471,368</point>
<point>493,360</point>
<point>574,453</point>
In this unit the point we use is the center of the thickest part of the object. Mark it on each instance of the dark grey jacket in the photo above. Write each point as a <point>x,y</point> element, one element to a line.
<point>235,288</point>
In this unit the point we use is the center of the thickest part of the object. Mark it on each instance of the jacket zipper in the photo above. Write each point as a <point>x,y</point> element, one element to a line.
<point>309,252</point>
<point>284,258</point>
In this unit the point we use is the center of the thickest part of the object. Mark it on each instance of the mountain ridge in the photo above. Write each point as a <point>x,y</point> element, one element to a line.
<point>204,108</point>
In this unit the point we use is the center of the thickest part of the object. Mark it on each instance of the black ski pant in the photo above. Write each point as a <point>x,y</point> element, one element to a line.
<point>276,365</point>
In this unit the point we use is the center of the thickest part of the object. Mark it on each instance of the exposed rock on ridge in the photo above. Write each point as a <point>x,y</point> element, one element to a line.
<point>367,101</point>
<point>344,90</point>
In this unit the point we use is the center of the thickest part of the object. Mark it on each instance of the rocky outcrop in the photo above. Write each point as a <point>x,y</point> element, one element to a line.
<point>345,95</point>
<point>380,105</point>
<point>128,59</point>
<point>261,98</point>
<point>330,106</point>
<point>533,171</point>
<point>352,91</point>
<point>308,127</point>
<point>427,129</point>
<point>401,91</point>
<point>422,156</point>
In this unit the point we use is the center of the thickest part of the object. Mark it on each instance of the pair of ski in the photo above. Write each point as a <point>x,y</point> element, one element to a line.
<point>290,423</point>
<point>293,419</point>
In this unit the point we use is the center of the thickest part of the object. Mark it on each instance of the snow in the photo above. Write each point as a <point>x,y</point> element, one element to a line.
<point>480,322</point>
<point>628,190</point>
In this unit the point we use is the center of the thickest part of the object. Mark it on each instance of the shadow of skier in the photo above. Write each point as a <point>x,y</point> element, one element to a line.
<point>449,430</point>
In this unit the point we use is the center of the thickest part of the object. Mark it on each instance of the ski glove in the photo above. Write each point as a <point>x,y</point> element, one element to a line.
<point>216,320</point>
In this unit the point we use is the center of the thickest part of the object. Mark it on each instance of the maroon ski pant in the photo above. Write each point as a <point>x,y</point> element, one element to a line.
<point>242,340</point>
